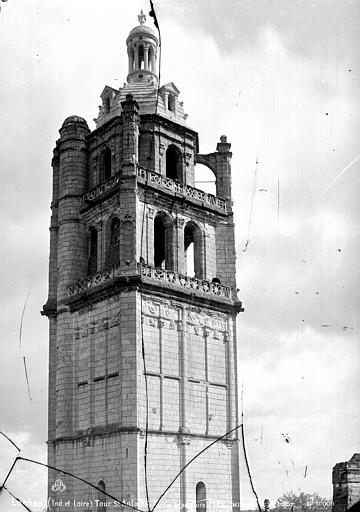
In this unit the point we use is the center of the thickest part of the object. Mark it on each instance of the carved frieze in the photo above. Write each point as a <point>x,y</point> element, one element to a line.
<point>162,309</point>
<point>203,318</point>
<point>200,322</point>
<point>161,314</point>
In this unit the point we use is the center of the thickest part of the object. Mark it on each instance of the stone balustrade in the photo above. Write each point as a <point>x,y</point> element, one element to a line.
<point>195,284</point>
<point>166,277</point>
<point>159,180</point>
<point>101,189</point>
<point>91,282</point>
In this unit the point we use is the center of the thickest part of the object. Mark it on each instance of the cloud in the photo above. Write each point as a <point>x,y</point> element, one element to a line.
<point>300,399</point>
<point>235,25</point>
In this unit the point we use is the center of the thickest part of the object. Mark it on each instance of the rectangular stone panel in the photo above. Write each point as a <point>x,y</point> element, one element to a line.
<point>170,350</point>
<point>196,406</point>
<point>99,402</point>
<point>99,354</point>
<point>216,358</point>
<point>83,407</point>
<point>217,410</point>
<point>151,342</point>
<point>113,399</point>
<point>113,351</point>
<point>171,404</point>
<point>154,402</point>
<point>195,354</point>
<point>83,359</point>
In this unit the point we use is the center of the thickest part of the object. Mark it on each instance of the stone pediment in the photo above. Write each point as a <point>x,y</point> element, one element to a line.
<point>108,90</point>
<point>171,87</point>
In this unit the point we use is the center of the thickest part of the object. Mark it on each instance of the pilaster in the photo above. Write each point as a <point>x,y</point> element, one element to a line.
<point>130,115</point>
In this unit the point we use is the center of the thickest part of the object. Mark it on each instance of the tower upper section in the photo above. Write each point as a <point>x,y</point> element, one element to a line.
<point>126,199</point>
<point>142,81</point>
<point>142,49</point>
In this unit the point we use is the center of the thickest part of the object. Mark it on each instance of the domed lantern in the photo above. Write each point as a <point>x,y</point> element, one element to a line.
<point>142,47</point>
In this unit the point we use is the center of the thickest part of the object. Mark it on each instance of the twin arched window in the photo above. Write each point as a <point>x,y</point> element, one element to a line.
<point>112,245</point>
<point>164,245</point>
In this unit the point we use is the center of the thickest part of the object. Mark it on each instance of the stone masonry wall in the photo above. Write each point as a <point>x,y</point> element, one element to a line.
<point>111,459</point>
<point>188,370</point>
<point>188,374</point>
<point>214,468</point>
<point>154,141</point>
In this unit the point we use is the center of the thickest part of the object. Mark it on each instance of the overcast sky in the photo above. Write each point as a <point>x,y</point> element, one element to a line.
<point>281,79</point>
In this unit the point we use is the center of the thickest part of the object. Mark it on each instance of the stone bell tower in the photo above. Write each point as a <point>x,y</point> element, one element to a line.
<point>142,304</point>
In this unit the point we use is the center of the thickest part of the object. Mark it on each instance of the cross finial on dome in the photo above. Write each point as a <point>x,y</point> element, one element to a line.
<point>142,17</point>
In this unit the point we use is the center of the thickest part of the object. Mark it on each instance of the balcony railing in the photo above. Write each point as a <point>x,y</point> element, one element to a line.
<point>167,277</point>
<point>159,180</point>
<point>170,277</point>
<point>100,190</point>
<point>91,282</point>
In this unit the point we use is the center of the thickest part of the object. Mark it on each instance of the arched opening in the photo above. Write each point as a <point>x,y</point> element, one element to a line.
<point>150,58</point>
<point>193,250</point>
<point>205,179</point>
<point>141,57</point>
<point>189,255</point>
<point>171,102</point>
<point>101,506</point>
<point>173,163</point>
<point>163,241</point>
<point>106,164</point>
<point>113,249</point>
<point>93,251</point>
<point>159,242</point>
<point>107,105</point>
<point>200,497</point>
<point>133,59</point>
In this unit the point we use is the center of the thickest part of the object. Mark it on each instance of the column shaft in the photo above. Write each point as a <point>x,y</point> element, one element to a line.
<point>136,52</point>
<point>146,57</point>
